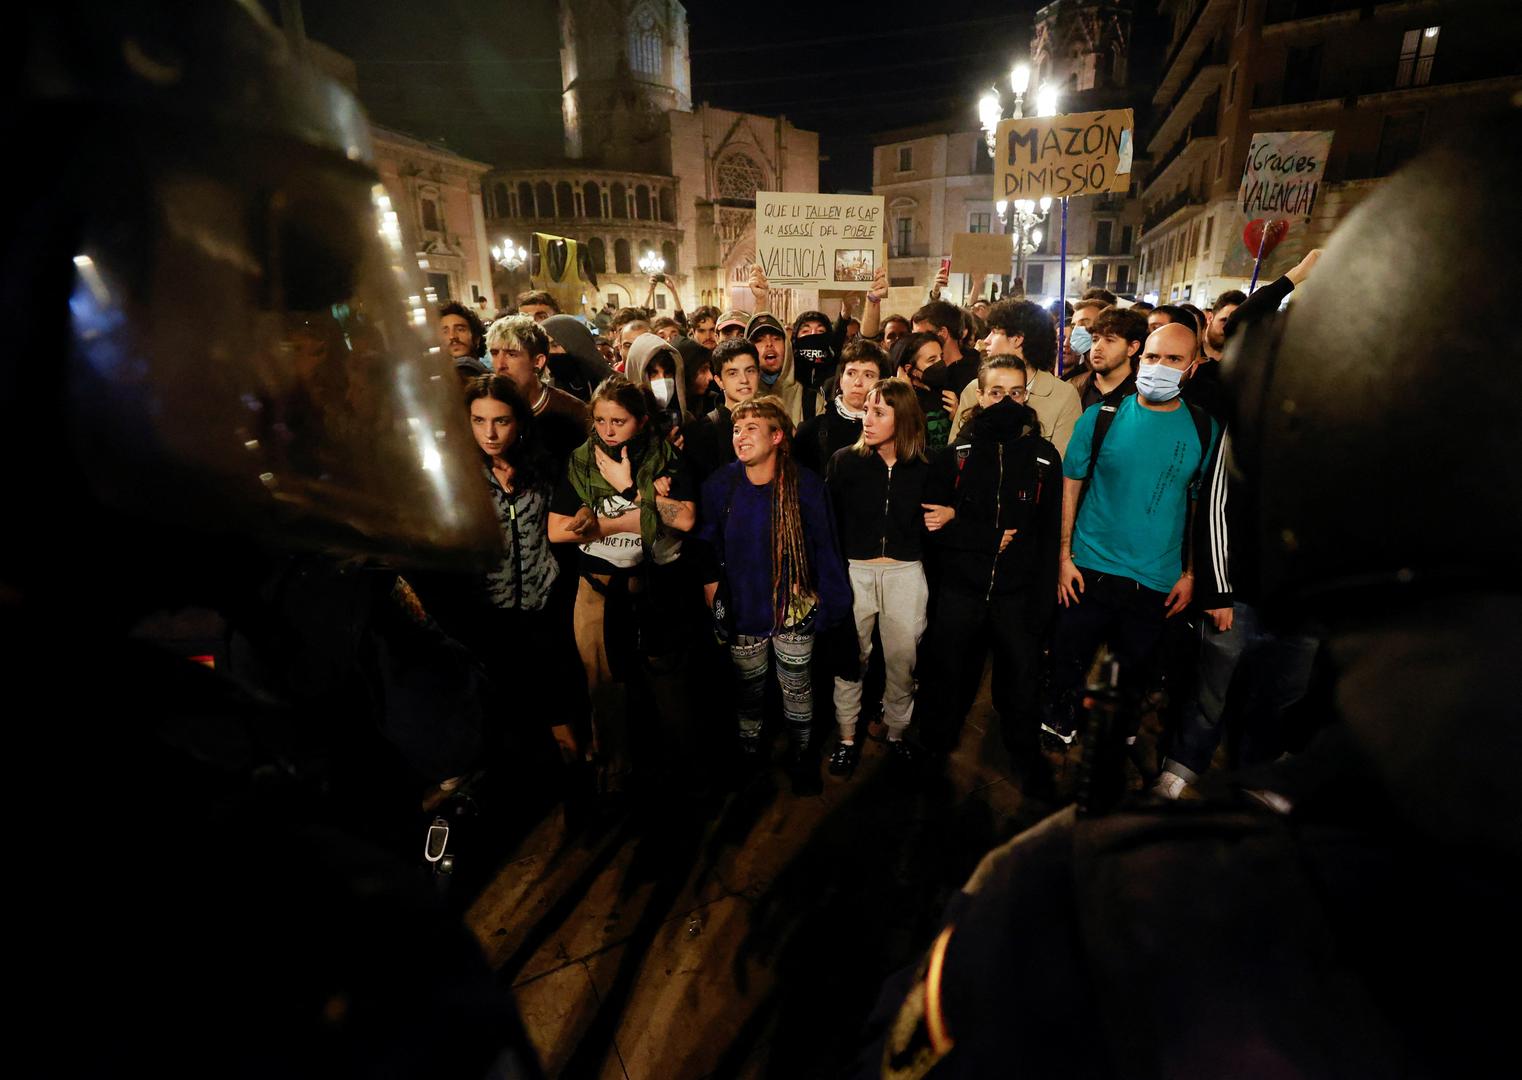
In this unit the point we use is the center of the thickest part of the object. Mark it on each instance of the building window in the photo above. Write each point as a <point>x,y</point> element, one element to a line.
<point>618,196</point>
<point>598,252</point>
<point>430,216</point>
<point>544,198</point>
<point>979,222</point>
<point>1122,279</point>
<point>903,230</point>
<point>905,158</point>
<point>1231,87</point>
<point>739,178</point>
<point>668,204</point>
<point>591,200</point>
<point>1099,275</point>
<point>644,43</point>
<point>1417,48</point>
<point>1209,230</point>
<point>1125,240</point>
<point>504,204</point>
<point>621,257</point>
<point>1302,73</point>
<point>642,202</point>
<point>565,200</point>
<point>526,200</point>
<point>1400,136</point>
<point>1035,278</point>
<point>668,252</point>
<point>1102,236</point>
<point>1220,162</point>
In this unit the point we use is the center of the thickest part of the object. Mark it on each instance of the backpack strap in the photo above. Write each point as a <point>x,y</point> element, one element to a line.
<point>1102,424</point>
<point>963,452</point>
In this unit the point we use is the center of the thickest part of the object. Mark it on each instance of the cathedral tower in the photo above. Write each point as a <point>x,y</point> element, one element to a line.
<point>1081,46</point>
<point>623,66</point>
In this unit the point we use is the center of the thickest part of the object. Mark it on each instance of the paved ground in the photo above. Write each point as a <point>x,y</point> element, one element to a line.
<point>747,935</point>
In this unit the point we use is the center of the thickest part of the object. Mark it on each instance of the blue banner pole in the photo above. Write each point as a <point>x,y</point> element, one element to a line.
<point>1062,285</point>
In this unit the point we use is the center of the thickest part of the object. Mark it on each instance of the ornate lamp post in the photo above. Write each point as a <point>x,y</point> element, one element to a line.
<point>508,257</point>
<point>1022,217</point>
<point>651,264</point>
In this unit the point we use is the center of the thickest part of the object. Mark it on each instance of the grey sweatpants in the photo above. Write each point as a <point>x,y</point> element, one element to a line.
<point>890,597</point>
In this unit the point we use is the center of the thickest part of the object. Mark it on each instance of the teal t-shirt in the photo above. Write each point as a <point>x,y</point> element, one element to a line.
<point>1134,513</point>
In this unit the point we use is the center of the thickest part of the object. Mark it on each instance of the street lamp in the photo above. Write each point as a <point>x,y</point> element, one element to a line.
<point>651,264</point>
<point>508,257</point>
<point>1046,100</point>
<point>991,109</point>
<point>1022,219</point>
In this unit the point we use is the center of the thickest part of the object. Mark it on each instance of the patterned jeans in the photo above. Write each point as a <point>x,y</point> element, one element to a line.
<point>751,657</point>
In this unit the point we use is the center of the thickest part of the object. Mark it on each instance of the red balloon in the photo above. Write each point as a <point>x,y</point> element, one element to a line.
<point>1269,234</point>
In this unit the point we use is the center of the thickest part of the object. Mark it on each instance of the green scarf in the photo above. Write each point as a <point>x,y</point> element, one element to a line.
<point>651,457</point>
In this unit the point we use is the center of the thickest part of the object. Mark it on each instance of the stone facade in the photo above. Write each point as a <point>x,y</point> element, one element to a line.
<point>645,169</point>
<point>437,197</point>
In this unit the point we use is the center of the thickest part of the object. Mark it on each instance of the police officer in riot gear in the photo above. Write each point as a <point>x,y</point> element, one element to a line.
<point>213,366</point>
<point>1350,911</point>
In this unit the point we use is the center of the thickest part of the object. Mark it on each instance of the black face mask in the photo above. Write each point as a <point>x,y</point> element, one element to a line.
<point>1008,419</point>
<point>813,357</point>
<point>934,377</point>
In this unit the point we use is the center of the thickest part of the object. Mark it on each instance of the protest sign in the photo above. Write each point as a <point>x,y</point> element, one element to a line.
<point>1077,154</point>
<point>1277,195</point>
<point>982,253</point>
<point>905,300</point>
<point>810,241</point>
<point>1283,175</point>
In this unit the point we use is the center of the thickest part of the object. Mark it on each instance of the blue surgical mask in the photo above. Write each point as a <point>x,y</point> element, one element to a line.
<point>1081,340</point>
<point>1159,382</point>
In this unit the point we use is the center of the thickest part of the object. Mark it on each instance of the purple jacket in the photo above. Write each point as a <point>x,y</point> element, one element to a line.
<point>737,522</point>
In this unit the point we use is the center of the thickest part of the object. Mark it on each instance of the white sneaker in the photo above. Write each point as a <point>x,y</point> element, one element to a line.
<point>1170,785</point>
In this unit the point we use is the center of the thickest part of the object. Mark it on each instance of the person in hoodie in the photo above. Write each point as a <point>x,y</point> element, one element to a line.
<point>703,395</point>
<point>776,359</point>
<point>656,365</point>
<point>575,365</point>
<point>815,347</point>
<point>998,564</point>
<point>886,496</point>
<point>922,363</point>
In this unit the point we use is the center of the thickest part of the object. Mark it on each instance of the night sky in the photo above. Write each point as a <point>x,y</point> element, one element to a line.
<point>483,76</point>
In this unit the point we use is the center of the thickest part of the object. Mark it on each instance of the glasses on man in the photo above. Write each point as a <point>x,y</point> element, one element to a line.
<point>998,393</point>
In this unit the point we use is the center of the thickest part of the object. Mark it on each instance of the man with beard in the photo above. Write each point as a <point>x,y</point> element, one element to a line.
<point>1203,387</point>
<point>766,334</point>
<point>1118,335</point>
<point>463,336</point>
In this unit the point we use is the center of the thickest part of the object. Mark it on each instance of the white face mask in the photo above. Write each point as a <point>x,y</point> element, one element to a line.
<point>664,391</point>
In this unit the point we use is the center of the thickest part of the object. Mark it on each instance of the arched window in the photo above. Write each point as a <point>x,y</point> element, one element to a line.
<point>526,200</point>
<point>739,177</point>
<point>591,199</point>
<point>504,205</point>
<point>668,205</point>
<point>642,202</point>
<point>430,215</point>
<point>644,43</point>
<point>619,197</point>
<point>621,256</point>
<point>668,252</point>
<point>599,254</point>
<point>544,199</point>
<point>565,200</point>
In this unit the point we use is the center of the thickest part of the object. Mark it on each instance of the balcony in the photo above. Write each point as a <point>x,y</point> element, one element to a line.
<point>1162,212</point>
<point>1195,40</point>
<point>1207,77</point>
<point>1281,12</point>
<point>1199,136</point>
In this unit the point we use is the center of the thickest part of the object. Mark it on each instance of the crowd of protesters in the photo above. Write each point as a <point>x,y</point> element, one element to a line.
<point>869,507</point>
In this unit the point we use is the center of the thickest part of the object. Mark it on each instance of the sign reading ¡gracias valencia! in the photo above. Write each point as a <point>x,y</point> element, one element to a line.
<point>1077,154</point>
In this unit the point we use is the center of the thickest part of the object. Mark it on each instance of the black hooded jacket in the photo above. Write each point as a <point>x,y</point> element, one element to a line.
<point>1006,477</point>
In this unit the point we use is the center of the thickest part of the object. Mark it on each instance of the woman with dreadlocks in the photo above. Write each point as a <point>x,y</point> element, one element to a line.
<point>778,579</point>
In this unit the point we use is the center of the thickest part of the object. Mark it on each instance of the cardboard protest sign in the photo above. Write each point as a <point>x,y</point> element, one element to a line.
<point>905,300</point>
<point>810,241</point>
<point>1077,154</point>
<point>1277,196</point>
<point>982,253</point>
<point>1283,175</point>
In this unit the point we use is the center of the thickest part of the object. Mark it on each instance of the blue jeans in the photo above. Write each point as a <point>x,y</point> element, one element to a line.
<point>1279,668</point>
